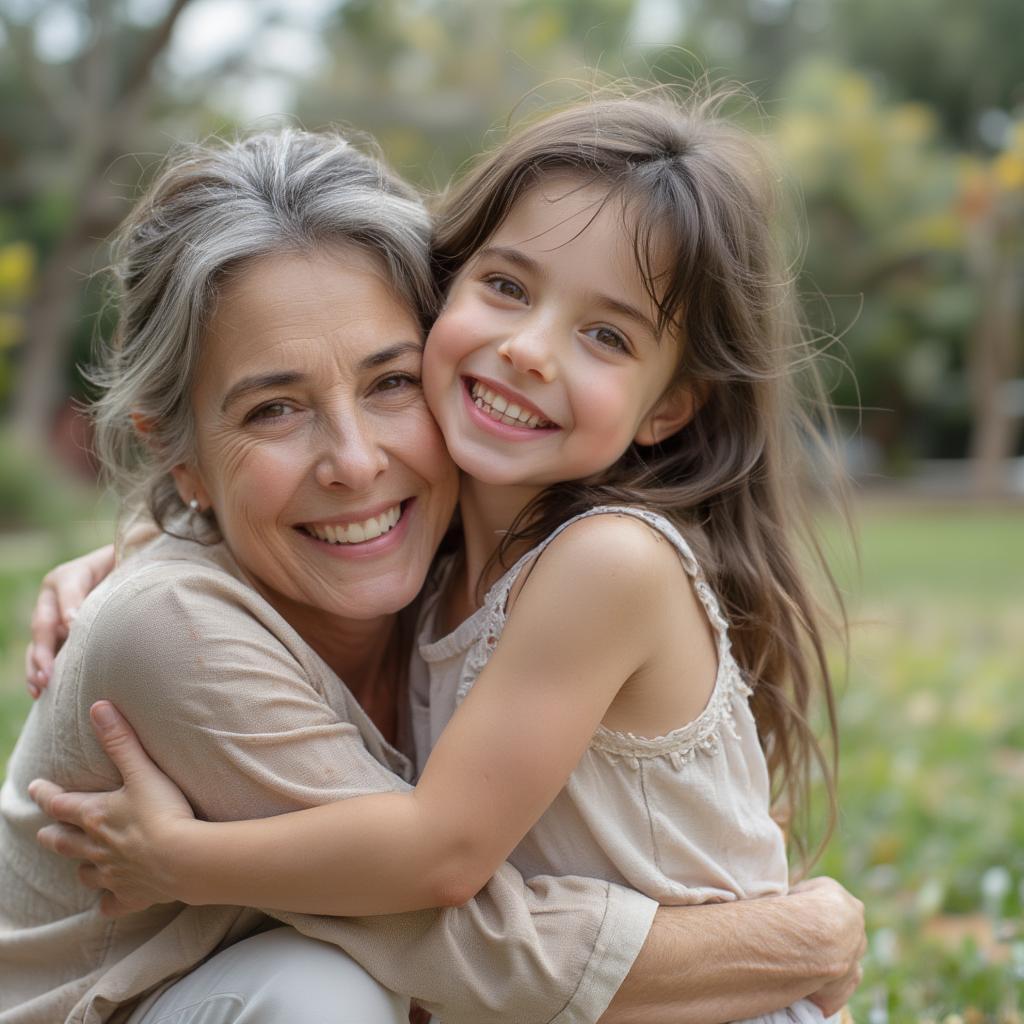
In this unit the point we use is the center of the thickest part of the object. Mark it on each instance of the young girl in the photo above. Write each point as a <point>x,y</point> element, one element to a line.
<point>615,371</point>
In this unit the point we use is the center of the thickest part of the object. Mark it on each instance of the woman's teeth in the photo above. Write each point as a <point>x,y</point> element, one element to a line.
<point>503,411</point>
<point>356,533</point>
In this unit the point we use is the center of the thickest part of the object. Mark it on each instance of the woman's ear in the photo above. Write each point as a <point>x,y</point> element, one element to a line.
<point>190,485</point>
<point>672,412</point>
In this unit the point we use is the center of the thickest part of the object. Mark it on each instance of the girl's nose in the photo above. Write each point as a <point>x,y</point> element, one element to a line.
<point>353,457</point>
<point>529,354</point>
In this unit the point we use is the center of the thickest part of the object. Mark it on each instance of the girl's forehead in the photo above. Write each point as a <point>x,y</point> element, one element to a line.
<point>588,216</point>
<point>563,211</point>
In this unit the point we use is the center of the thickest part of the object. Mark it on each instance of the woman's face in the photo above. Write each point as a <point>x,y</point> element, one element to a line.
<point>314,447</point>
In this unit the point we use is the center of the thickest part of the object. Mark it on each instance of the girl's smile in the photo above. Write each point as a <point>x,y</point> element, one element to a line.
<point>545,364</point>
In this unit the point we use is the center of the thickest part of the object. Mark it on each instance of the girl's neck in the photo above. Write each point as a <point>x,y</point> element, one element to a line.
<point>487,511</point>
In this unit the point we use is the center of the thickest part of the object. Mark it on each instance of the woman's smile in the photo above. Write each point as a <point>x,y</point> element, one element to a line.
<point>326,473</point>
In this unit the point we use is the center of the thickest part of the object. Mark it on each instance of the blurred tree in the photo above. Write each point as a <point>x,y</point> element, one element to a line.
<point>884,247</point>
<point>429,80</point>
<point>63,128</point>
<point>992,208</point>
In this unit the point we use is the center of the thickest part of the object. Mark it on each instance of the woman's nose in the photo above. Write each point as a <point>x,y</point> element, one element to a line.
<point>353,457</point>
<point>529,353</point>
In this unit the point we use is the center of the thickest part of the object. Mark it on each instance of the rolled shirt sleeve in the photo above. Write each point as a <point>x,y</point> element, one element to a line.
<point>250,722</point>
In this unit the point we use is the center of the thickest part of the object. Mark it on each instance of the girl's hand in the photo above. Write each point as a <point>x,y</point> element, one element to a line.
<point>122,836</point>
<point>61,594</point>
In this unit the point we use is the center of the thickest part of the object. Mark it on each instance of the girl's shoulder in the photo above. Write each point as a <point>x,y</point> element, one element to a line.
<point>626,553</point>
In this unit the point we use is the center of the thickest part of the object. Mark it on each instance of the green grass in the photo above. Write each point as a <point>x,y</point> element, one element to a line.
<point>932,768</point>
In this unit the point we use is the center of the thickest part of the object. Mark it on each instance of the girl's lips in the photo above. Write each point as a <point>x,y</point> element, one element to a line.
<point>382,545</point>
<point>501,428</point>
<point>508,396</point>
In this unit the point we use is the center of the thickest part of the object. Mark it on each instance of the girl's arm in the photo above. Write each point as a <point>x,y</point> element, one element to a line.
<point>586,620</point>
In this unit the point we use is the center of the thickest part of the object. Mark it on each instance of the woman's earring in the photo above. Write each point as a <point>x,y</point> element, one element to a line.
<point>193,507</point>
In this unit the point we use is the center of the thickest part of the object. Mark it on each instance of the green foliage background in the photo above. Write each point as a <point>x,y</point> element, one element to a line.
<point>901,130</point>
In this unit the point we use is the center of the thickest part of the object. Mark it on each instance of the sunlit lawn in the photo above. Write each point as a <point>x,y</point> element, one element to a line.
<point>932,774</point>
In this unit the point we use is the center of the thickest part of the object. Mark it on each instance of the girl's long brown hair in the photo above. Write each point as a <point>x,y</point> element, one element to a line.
<point>695,186</point>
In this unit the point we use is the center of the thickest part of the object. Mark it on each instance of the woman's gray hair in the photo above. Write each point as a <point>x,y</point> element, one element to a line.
<point>215,207</point>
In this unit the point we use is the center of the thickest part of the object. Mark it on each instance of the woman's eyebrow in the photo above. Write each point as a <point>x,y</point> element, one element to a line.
<point>390,354</point>
<point>261,381</point>
<point>286,378</point>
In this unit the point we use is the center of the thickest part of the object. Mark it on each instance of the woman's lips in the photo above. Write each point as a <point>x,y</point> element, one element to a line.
<point>356,532</point>
<point>350,539</point>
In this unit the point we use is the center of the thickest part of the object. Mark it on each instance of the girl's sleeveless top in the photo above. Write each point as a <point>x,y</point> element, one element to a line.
<point>683,817</point>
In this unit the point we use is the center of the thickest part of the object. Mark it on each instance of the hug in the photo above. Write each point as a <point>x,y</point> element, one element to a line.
<point>527,779</point>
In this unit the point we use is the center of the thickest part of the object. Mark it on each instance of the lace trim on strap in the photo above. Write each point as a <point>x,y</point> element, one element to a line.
<point>681,746</point>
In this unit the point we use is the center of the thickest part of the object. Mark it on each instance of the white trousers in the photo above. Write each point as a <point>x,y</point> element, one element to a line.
<point>276,977</point>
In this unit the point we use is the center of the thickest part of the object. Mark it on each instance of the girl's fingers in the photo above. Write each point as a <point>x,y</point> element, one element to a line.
<point>119,741</point>
<point>70,842</point>
<point>44,792</point>
<point>85,812</point>
<point>34,677</point>
<point>46,629</point>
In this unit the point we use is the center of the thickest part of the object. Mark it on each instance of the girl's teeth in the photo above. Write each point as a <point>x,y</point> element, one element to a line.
<point>502,410</point>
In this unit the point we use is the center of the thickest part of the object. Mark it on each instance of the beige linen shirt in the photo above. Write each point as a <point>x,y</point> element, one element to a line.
<point>249,721</point>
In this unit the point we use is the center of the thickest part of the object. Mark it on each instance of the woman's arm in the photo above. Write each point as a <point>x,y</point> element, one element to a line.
<point>246,720</point>
<point>731,961</point>
<point>582,625</point>
<point>702,964</point>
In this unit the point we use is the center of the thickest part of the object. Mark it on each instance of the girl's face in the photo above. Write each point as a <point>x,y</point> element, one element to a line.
<point>545,364</point>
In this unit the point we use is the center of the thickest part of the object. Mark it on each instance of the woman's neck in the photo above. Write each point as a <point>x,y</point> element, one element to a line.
<point>364,653</point>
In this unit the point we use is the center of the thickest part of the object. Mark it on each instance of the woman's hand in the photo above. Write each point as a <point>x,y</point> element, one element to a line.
<point>60,596</point>
<point>844,915</point>
<point>121,837</point>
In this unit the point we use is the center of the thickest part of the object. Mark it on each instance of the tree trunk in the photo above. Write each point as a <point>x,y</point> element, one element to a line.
<point>994,358</point>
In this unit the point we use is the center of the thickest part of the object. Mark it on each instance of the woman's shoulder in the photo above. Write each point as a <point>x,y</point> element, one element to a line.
<point>167,591</point>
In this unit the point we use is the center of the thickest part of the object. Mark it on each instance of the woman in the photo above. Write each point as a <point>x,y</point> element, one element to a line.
<point>295,529</point>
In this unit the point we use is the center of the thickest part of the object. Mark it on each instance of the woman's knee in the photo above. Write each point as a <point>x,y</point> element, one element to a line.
<point>277,977</point>
<point>321,980</point>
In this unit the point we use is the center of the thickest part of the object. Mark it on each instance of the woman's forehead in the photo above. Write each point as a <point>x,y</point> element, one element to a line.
<point>304,310</point>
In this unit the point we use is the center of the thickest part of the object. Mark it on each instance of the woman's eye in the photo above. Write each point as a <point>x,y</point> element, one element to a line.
<point>271,411</point>
<point>397,381</point>
<point>609,338</point>
<point>507,287</point>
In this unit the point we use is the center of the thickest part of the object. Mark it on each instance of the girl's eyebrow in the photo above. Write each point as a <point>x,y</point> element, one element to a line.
<point>625,309</point>
<point>505,252</point>
<point>520,259</point>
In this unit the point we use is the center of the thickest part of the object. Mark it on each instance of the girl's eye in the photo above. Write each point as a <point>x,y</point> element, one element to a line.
<point>271,411</point>
<point>507,287</point>
<point>608,337</point>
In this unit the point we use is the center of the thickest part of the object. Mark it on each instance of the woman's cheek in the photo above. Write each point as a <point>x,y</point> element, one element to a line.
<point>254,477</point>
